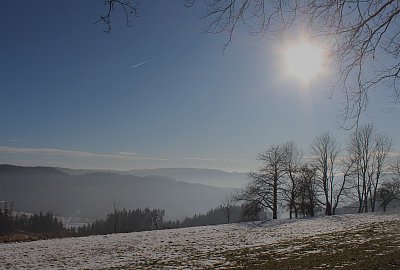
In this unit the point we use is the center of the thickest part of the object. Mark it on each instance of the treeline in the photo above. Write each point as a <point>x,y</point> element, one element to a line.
<point>216,216</point>
<point>362,170</point>
<point>122,221</point>
<point>212,217</point>
<point>48,226</point>
<point>45,224</point>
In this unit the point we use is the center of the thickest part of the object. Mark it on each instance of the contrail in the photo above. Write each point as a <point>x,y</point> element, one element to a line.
<point>142,63</point>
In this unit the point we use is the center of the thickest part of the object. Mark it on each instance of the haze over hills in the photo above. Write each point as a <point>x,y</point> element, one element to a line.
<point>210,177</point>
<point>91,195</point>
<point>202,176</point>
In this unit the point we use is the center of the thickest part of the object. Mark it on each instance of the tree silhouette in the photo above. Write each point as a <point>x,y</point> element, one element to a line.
<point>128,7</point>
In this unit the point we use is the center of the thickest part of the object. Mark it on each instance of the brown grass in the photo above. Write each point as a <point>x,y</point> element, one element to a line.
<point>374,247</point>
<point>26,236</point>
<point>19,237</point>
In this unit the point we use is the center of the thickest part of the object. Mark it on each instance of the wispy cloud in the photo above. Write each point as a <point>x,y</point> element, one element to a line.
<point>123,155</point>
<point>13,140</point>
<point>213,159</point>
<point>233,160</point>
<point>200,159</point>
<point>128,153</point>
<point>141,63</point>
<point>77,154</point>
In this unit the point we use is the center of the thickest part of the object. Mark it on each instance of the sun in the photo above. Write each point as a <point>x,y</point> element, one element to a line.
<point>303,61</point>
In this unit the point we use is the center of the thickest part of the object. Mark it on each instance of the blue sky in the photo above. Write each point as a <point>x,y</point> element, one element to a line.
<point>70,97</point>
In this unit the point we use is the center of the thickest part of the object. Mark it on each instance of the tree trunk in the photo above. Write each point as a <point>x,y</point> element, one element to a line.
<point>328,209</point>
<point>275,202</point>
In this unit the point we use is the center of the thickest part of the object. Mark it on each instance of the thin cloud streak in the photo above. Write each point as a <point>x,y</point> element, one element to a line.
<point>140,64</point>
<point>14,140</point>
<point>73,153</point>
<point>213,159</point>
<point>128,153</point>
<point>200,159</point>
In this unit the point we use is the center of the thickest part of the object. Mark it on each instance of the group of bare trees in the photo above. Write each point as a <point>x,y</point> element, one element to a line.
<point>332,174</point>
<point>390,189</point>
<point>282,181</point>
<point>368,151</point>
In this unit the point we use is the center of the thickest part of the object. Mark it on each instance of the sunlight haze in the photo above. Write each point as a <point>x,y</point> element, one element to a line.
<point>303,60</point>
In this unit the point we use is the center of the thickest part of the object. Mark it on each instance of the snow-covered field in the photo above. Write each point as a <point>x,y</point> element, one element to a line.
<point>187,248</point>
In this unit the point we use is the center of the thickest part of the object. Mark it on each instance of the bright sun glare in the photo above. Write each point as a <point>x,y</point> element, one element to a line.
<point>303,61</point>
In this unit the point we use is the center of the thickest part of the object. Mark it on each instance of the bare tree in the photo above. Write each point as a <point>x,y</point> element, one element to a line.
<point>128,7</point>
<point>265,185</point>
<point>344,186</point>
<point>389,191</point>
<point>325,151</point>
<point>368,151</point>
<point>251,211</point>
<point>227,204</point>
<point>307,199</point>
<point>116,209</point>
<point>293,166</point>
<point>359,150</point>
<point>364,37</point>
<point>382,146</point>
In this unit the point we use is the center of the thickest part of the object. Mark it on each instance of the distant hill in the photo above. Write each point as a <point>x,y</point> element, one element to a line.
<point>202,176</point>
<point>210,177</point>
<point>34,189</point>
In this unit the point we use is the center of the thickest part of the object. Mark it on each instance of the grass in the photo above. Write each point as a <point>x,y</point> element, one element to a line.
<point>19,237</point>
<point>28,236</point>
<point>374,247</point>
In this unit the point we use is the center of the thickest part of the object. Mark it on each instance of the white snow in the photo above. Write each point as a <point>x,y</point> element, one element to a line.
<point>187,248</point>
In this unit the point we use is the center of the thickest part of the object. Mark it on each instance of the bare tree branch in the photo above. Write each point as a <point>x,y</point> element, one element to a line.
<point>128,6</point>
<point>365,38</point>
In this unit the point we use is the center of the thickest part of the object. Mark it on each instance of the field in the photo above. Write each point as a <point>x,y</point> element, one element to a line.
<point>364,241</point>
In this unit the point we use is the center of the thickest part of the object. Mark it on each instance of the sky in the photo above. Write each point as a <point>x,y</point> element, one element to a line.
<point>161,93</point>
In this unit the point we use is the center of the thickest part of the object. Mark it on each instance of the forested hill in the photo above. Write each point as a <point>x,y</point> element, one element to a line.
<point>34,189</point>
